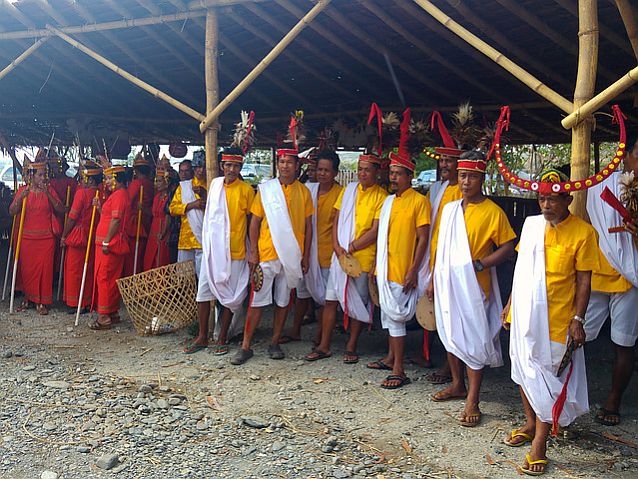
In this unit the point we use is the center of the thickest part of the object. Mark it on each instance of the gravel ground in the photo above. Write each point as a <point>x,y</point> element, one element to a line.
<point>75,403</point>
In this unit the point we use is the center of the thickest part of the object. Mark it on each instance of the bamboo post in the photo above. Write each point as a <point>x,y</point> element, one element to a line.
<point>524,76</point>
<point>6,272</point>
<point>62,247</point>
<point>123,73</point>
<point>585,85</point>
<point>139,226</point>
<point>212,91</point>
<point>263,64</point>
<point>17,255</point>
<point>20,58</point>
<point>630,19</point>
<point>612,91</point>
<point>86,262</point>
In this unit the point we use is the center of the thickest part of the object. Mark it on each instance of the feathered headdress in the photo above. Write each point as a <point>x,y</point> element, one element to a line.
<point>464,130</point>
<point>294,135</point>
<point>244,136</point>
<point>403,156</point>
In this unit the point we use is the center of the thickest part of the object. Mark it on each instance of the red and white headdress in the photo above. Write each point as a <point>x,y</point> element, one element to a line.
<point>403,157</point>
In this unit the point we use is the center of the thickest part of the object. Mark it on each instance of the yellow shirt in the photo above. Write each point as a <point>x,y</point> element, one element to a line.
<point>187,239</point>
<point>300,207</point>
<point>606,279</point>
<point>487,227</point>
<point>409,211</point>
<point>239,199</point>
<point>570,246</point>
<point>325,218</point>
<point>367,209</point>
<point>451,193</point>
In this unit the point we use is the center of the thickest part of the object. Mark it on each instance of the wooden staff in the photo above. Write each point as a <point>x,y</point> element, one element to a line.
<point>15,261</point>
<point>159,245</point>
<point>86,262</point>
<point>139,225</point>
<point>66,217</point>
<point>6,272</point>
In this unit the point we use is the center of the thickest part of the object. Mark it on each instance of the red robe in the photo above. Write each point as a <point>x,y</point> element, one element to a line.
<point>109,267</point>
<point>160,219</point>
<point>76,243</point>
<point>37,246</point>
<point>131,227</point>
<point>61,185</point>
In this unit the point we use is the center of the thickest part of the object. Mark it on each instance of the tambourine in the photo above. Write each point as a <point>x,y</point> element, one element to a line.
<point>425,313</point>
<point>373,288</point>
<point>257,278</point>
<point>350,265</point>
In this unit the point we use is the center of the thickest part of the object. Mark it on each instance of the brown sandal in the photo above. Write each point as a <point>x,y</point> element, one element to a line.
<point>23,306</point>
<point>95,325</point>
<point>42,310</point>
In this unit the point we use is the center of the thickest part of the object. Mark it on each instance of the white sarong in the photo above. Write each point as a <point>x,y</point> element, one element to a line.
<point>467,326</point>
<point>436,195</point>
<point>281,231</point>
<point>314,279</point>
<point>216,258</point>
<point>534,356</point>
<point>356,309</point>
<point>195,216</point>
<point>618,248</point>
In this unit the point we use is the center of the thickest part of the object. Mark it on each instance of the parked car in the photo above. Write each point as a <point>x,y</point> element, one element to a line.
<point>424,179</point>
<point>255,173</point>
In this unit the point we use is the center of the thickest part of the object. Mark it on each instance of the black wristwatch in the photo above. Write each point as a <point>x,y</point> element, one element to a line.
<point>478,266</point>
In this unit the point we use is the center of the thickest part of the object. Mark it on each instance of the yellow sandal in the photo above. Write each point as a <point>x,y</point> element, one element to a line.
<point>530,463</point>
<point>517,433</point>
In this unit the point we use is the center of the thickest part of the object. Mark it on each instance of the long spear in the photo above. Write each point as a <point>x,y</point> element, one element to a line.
<point>139,224</point>
<point>15,261</point>
<point>86,262</point>
<point>6,272</point>
<point>63,247</point>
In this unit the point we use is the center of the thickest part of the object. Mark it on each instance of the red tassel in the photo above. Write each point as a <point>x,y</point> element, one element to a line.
<point>560,402</point>
<point>345,305</point>
<point>426,345</point>
<point>293,131</point>
<point>376,111</point>
<point>437,120</point>
<point>250,303</point>
<point>608,197</point>
<point>405,134</point>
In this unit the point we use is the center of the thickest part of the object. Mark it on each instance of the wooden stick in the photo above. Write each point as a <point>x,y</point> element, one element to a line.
<point>123,73</point>
<point>585,86</point>
<point>62,253</point>
<point>609,93</point>
<point>524,76</point>
<point>15,260</point>
<point>139,226</point>
<point>630,19</point>
<point>20,58</point>
<point>261,66</point>
<point>86,262</point>
<point>159,245</point>
<point>212,91</point>
<point>6,272</point>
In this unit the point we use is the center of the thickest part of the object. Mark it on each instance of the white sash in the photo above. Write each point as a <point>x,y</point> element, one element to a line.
<point>216,250</point>
<point>618,248</point>
<point>396,304</point>
<point>314,280</point>
<point>468,328</point>
<point>281,231</point>
<point>437,190</point>
<point>195,216</point>
<point>357,309</point>
<point>530,348</point>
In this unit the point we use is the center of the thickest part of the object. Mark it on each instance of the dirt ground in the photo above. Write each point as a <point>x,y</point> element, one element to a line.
<point>401,433</point>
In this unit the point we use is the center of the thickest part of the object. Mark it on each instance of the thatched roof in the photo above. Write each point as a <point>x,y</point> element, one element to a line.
<point>334,69</point>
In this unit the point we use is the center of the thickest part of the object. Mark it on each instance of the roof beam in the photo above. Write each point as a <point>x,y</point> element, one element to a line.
<point>527,78</point>
<point>20,58</point>
<point>212,116</point>
<point>197,4</point>
<point>630,19</point>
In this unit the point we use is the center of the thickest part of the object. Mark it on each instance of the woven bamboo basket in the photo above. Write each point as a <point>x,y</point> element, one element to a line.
<point>161,300</point>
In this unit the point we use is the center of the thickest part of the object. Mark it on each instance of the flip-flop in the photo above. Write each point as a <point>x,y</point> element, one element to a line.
<point>379,366</point>
<point>449,397</point>
<point>285,339</point>
<point>42,310</point>
<point>23,306</point>
<point>192,348</point>
<point>316,355</point>
<point>514,434</point>
<point>437,378</point>
<point>275,352</point>
<point>220,349</point>
<point>602,414</point>
<point>403,381</point>
<point>465,422</point>
<point>529,472</point>
<point>351,357</point>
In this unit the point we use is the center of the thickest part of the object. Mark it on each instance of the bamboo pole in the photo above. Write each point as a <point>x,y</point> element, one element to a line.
<point>585,85</point>
<point>139,226</point>
<point>195,4</point>
<point>63,247</point>
<point>123,73</point>
<point>20,58</point>
<point>17,255</point>
<point>630,19</point>
<point>609,93</point>
<point>527,78</point>
<point>261,66</point>
<point>212,91</point>
<point>86,260</point>
<point>6,272</point>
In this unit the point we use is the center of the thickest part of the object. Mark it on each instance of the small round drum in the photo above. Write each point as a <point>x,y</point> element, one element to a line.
<point>350,265</point>
<point>425,313</point>
<point>257,278</point>
<point>374,290</point>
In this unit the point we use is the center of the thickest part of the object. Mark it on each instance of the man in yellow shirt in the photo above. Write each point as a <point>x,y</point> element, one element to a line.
<point>324,196</point>
<point>280,236</point>
<point>188,203</point>
<point>614,293</point>
<point>354,232</point>
<point>550,292</point>
<point>400,261</point>
<point>227,213</point>
<point>475,236</point>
